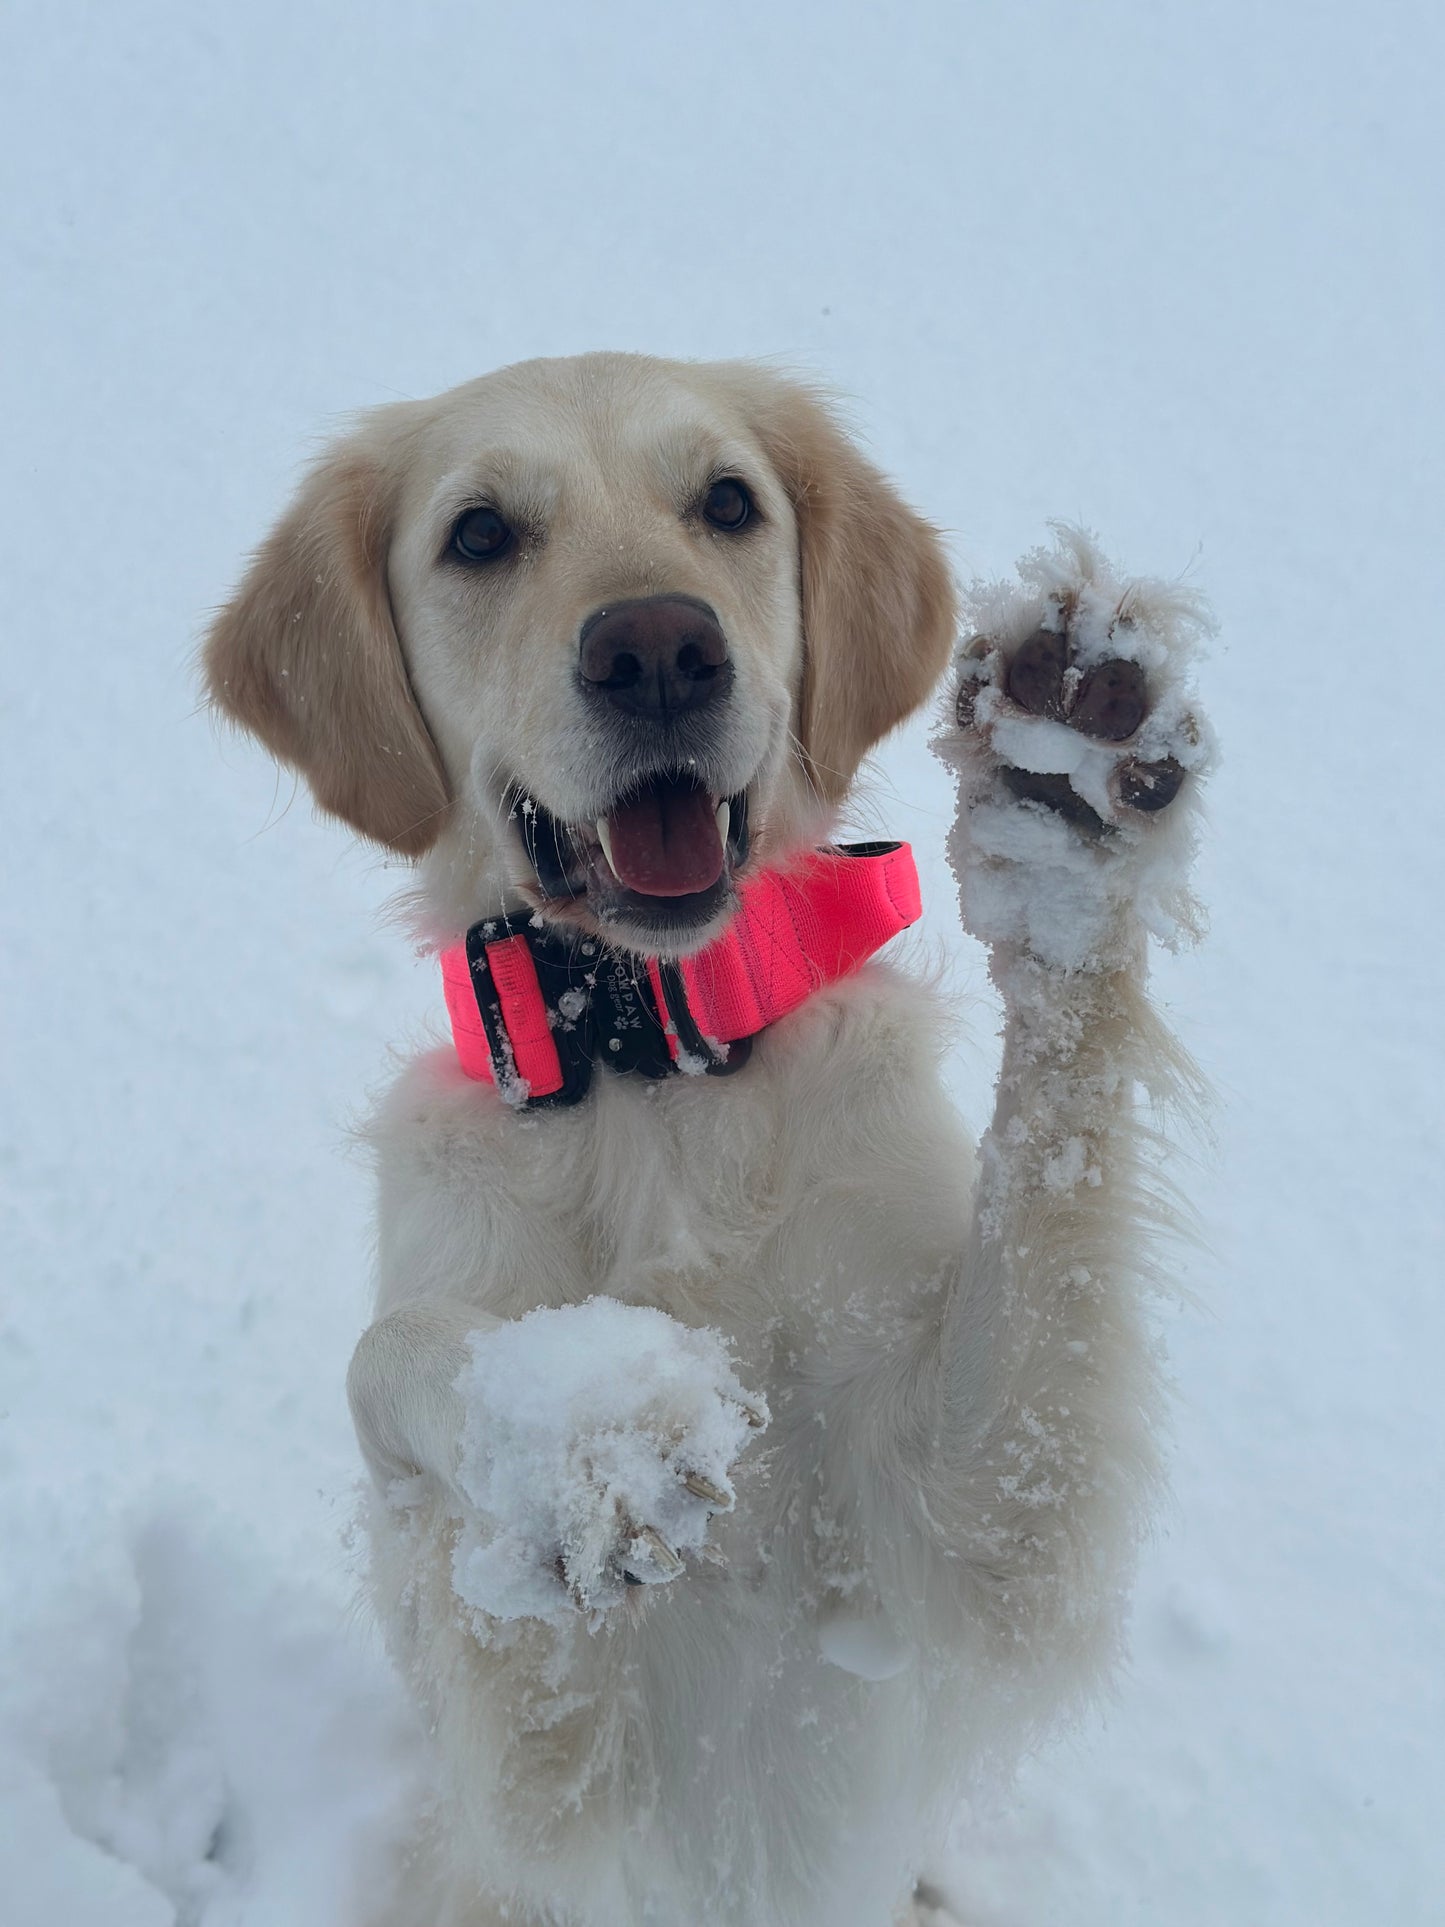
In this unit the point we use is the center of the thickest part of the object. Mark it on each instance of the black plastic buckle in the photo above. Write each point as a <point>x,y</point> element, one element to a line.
<point>600,1008</point>
<point>562,980</point>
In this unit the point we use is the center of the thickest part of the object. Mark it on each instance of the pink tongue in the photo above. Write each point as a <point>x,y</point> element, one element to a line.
<point>665,843</point>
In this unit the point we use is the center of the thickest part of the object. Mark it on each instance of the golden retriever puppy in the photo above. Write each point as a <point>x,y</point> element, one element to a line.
<point>756,1462</point>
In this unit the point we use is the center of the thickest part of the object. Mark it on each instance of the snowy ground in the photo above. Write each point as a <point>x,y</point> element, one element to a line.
<point>1173,269</point>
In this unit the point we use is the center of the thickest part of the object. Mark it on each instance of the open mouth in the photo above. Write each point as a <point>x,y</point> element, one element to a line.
<point>660,861</point>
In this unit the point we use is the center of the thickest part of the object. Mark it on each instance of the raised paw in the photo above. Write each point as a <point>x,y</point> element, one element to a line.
<point>601,1439</point>
<point>1077,740</point>
<point>1085,750</point>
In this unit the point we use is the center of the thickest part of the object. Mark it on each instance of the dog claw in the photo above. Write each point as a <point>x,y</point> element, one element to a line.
<point>704,1488</point>
<point>663,1556</point>
<point>574,1591</point>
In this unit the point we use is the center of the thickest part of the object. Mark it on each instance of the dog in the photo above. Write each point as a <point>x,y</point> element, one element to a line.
<point>757,1463</point>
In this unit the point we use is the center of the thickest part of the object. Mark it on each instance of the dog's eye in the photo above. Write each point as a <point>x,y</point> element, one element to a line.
<point>727,504</point>
<point>481,536</point>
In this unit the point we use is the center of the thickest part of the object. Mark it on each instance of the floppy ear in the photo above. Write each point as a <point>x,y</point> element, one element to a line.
<point>306,656</point>
<point>878,600</point>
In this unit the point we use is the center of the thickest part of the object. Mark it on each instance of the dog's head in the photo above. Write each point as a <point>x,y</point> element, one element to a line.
<point>598,632</point>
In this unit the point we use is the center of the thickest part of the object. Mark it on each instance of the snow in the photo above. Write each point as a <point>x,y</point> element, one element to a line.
<point>864,1644</point>
<point>582,1425</point>
<point>1174,271</point>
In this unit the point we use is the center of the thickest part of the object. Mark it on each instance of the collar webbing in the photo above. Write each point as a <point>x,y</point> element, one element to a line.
<point>532,1008</point>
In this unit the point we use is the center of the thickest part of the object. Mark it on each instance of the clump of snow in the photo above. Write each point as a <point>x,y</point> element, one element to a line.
<point>866,1644</point>
<point>571,1005</point>
<point>1069,1167</point>
<point>583,1424</point>
<point>1028,877</point>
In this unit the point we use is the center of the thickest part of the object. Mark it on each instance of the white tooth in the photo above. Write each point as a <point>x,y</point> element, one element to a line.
<point>604,837</point>
<point>724,820</point>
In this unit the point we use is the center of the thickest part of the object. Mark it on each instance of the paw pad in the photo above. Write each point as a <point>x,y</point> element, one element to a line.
<point>1111,702</point>
<point>1035,678</point>
<point>1103,697</point>
<point>1151,786</point>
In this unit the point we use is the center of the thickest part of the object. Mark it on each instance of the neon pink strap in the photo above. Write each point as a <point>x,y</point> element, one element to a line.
<point>534,1055</point>
<point>794,931</point>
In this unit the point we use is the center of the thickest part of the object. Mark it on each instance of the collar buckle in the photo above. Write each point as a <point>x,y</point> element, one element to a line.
<point>553,1004</point>
<point>532,999</point>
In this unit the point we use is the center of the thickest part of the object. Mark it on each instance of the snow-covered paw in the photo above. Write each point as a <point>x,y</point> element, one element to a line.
<point>600,1440</point>
<point>1079,744</point>
<point>1084,715</point>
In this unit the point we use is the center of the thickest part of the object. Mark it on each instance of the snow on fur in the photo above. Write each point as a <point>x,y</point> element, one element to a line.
<point>582,1422</point>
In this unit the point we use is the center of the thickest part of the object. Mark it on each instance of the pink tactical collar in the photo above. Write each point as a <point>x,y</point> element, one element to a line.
<point>533,1008</point>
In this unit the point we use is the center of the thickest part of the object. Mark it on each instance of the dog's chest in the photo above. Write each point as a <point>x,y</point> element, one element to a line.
<point>809,1207</point>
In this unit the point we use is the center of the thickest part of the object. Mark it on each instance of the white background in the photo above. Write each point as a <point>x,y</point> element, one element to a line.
<point>1174,269</point>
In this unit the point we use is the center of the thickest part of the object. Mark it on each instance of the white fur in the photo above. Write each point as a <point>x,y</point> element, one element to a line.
<point>964,1398</point>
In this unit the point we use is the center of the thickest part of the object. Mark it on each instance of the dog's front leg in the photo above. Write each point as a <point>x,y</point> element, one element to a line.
<point>403,1387</point>
<point>1079,749</point>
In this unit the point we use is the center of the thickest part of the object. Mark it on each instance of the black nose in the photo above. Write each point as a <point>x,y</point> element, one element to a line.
<point>656,656</point>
